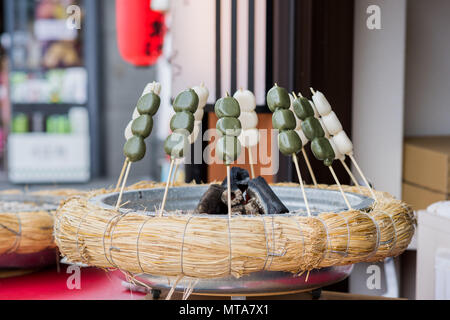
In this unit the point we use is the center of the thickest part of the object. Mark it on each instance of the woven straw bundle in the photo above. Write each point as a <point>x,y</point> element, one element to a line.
<point>214,246</point>
<point>31,231</point>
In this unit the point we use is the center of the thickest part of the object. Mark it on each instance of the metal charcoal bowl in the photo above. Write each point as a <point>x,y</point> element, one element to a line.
<point>21,203</point>
<point>185,199</point>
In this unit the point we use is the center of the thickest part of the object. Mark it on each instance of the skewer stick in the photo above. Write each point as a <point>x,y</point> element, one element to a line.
<point>123,185</point>
<point>167,188</point>
<point>351,175</point>
<point>294,157</point>
<point>308,164</point>
<point>229,190</point>
<point>119,181</point>
<point>313,91</point>
<point>340,188</point>
<point>175,174</point>
<point>363,176</point>
<point>250,158</point>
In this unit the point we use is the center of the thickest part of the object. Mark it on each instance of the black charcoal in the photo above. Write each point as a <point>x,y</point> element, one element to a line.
<point>252,208</point>
<point>211,201</point>
<point>237,197</point>
<point>266,199</point>
<point>239,179</point>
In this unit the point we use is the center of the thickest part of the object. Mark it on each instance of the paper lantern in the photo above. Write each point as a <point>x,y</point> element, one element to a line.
<point>140,32</point>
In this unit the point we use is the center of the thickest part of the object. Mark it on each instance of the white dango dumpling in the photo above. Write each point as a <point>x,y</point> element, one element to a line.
<point>316,113</point>
<point>128,133</point>
<point>249,120</point>
<point>249,138</point>
<point>343,143</point>
<point>332,123</point>
<point>327,134</point>
<point>195,133</point>
<point>321,103</point>
<point>337,153</point>
<point>198,115</point>
<point>136,114</point>
<point>302,136</point>
<point>246,99</point>
<point>203,95</point>
<point>154,87</point>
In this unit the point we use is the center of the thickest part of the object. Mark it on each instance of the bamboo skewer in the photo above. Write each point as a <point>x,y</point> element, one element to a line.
<point>250,158</point>
<point>119,200</point>
<point>122,172</point>
<point>308,164</point>
<point>363,176</point>
<point>351,175</point>
<point>340,188</point>
<point>294,157</point>
<point>167,188</point>
<point>229,190</point>
<point>177,166</point>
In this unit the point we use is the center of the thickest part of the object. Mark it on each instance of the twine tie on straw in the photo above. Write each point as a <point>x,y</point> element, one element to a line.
<point>18,234</point>
<point>325,253</point>
<point>137,243</point>
<point>395,232</point>
<point>303,238</point>
<point>104,235</point>
<point>182,245</point>
<point>267,243</point>
<point>77,237</point>
<point>111,247</point>
<point>273,244</point>
<point>229,241</point>
<point>345,255</point>
<point>377,243</point>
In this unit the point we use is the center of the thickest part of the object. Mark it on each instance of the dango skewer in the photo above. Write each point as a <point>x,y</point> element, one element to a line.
<point>182,126</point>
<point>249,136</point>
<point>284,120</point>
<point>154,87</point>
<point>229,126</point>
<point>138,130</point>
<point>340,138</point>
<point>320,144</point>
<point>203,95</point>
<point>305,141</point>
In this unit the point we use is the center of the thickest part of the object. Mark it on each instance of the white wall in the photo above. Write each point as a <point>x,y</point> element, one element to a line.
<point>378,98</point>
<point>427,108</point>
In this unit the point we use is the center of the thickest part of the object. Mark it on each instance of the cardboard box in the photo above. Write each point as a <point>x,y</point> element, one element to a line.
<point>420,198</point>
<point>426,163</point>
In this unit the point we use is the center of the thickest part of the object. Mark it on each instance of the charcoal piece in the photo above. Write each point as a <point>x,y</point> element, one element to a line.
<point>267,201</point>
<point>239,179</point>
<point>252,208</point>
<point>211,201</point>
<point>239,209</point>
<point>237,197</point>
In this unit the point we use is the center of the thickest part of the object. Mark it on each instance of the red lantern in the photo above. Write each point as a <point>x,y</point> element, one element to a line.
<point>140,32</point>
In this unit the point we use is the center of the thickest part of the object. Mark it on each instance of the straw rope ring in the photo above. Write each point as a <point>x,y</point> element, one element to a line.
<point>212,246</point>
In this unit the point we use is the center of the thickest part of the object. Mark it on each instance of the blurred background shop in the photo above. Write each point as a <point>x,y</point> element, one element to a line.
<point>71,72</point>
